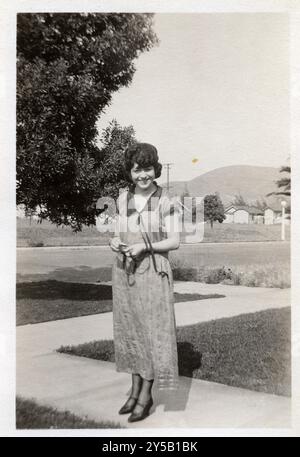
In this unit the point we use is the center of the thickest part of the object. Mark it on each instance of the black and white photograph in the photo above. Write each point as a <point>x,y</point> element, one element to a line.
<point>153,217</point>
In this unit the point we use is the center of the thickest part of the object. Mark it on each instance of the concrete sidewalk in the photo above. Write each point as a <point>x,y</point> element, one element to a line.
<point>94,389</point>
<point>43,338</point>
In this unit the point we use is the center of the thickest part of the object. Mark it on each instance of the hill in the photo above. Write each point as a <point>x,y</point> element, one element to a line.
<point>252,182</point>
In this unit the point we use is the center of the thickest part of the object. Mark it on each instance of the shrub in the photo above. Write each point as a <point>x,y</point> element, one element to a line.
<point>217,275</point>
<point>35,243</point>
<point>269,275</point>
<point>185,274</point>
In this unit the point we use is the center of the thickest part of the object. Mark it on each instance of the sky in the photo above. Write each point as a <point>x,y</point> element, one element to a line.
<point>214,93</point>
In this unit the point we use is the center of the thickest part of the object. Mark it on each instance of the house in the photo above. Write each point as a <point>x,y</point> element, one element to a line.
<point>273,214</point>
<point>238,214</point>
<point>21,213</point>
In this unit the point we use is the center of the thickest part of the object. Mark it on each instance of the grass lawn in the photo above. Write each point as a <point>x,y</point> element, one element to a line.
<point>251,351</point>
<point>48,234</point>
<point>30,415</point>
<point>64,300</point>
<point>243,232</point>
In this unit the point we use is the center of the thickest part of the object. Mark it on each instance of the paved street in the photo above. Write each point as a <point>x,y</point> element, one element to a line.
<point>85,263</point>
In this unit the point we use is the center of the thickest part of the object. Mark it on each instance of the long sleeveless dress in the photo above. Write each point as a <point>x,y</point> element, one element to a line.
<point>143,304</point>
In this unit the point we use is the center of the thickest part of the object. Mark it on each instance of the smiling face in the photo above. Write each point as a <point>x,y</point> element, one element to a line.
<point>142,176</point>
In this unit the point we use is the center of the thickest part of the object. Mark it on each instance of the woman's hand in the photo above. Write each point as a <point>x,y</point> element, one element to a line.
<point>116,244</point>
<point>135,250</point>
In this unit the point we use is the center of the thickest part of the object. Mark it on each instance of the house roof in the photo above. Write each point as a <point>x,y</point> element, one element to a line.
<point>250,209</point>
<point>275,207</point>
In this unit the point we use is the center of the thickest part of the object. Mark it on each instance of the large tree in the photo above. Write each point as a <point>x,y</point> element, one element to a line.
<point>68,67</point>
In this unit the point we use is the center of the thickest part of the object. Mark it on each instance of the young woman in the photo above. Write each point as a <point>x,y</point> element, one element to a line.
<point>142,283</point>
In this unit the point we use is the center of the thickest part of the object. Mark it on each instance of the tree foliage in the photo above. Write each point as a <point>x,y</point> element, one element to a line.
<point>213,209</point>
<point>261,204</point>
<point>284,185</point>
<point>68,67</point>
<point>239,200</point>
<point>115,139</point>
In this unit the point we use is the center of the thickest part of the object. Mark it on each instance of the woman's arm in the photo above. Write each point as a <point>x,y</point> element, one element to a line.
<point>170,243</point>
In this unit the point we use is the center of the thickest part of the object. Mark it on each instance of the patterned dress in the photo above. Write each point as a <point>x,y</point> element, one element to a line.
<point>143,304</point>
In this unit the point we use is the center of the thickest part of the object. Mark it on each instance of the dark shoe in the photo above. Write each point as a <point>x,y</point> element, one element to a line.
<point>134,417</point>
<point>127,408</point>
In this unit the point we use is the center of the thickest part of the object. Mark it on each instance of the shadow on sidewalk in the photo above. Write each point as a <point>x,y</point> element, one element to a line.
<point>176,400</point>
<point>50,300</point>
<point>52,289</point>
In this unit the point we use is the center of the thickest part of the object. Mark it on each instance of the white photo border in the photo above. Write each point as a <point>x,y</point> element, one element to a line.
<point>8,11</point>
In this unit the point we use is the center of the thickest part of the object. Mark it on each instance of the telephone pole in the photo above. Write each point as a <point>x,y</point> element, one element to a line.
<point>168,166</point>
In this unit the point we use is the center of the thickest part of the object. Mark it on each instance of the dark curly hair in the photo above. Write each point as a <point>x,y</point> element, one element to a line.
<point>143,154</point>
